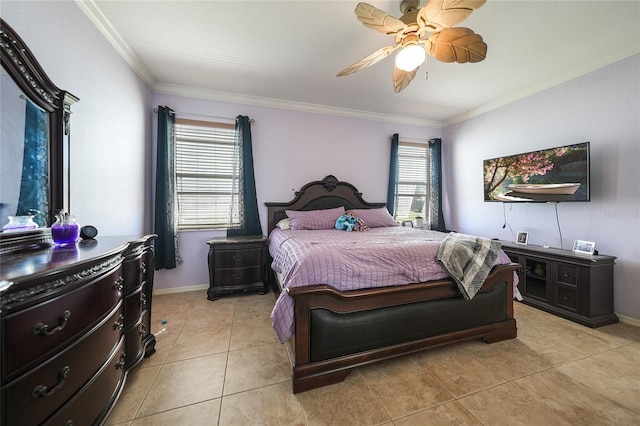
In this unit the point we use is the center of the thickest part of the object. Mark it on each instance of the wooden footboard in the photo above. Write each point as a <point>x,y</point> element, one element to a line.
<point>314,369</point>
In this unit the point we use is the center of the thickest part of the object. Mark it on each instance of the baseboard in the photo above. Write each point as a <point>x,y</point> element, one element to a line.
<point>173,290</point>
<point>629,320</point>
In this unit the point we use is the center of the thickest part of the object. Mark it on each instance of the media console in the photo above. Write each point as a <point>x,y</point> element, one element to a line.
<point>573,286</point>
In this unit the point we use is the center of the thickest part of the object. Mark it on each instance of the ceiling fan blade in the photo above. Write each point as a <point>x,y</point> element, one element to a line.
<point>456,45</point>
<point>438,14</point>
<point>378,20</point>
<point>402,78</point>
<point>376,56</point>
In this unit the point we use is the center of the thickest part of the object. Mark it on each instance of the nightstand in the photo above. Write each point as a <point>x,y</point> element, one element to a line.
<point>237,263</point>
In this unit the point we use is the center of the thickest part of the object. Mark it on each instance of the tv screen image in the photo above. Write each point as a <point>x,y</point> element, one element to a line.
<point>547,175</point>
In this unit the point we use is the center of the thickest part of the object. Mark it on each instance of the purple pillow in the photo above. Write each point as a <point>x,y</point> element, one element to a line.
<point>314,219</point>
<point>375,218</point>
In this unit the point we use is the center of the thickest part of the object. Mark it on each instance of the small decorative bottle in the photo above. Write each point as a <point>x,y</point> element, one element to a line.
<point>20,223</point>
<point>65,230</point>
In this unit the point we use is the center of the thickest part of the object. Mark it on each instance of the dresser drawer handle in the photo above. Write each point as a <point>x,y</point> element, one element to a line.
<point>143,268</point>
<point>143,330</point>
<point>118,284</point>
<point>43,330</point>
<point>119,325</point>
<point>143,299</point>
<point>120,364</point>
<point>42,391</point>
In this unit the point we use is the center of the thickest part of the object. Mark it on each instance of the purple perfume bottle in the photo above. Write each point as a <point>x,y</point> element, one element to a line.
<point>65,230</point>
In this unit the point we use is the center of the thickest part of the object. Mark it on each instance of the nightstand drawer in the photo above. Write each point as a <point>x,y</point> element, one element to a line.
<point>224,277</point>
<point>238,258</point>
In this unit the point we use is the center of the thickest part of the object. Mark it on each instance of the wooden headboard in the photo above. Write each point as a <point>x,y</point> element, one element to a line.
<point>320,194</point>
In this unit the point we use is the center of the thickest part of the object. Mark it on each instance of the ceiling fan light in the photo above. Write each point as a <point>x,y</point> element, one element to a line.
<point>410,57</point>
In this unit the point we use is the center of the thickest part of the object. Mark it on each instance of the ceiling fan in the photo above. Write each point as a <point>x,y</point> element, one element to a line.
<point>428,29</point>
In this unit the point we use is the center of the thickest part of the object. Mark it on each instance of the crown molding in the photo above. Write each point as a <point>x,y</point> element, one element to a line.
<point>194,92</point>
<point>543,85</point>
<point>95,15</point>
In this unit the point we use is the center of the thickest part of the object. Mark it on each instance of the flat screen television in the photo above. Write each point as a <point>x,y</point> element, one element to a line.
<point>547,175</point>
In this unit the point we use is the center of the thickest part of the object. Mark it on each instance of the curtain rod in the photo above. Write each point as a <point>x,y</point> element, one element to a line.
<point>251,120</point>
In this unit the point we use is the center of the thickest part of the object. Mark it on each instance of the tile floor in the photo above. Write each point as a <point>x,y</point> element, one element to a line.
<point>219,363</point>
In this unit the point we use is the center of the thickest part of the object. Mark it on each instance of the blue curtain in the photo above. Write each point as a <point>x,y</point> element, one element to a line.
<point>247,205</point>
<point>435,188</point>
<point>165,213</point>
<point>393,175</point>
<point>34,184</point>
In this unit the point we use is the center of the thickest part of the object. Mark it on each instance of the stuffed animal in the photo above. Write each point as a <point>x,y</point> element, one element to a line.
<point>350,222</point>
<point>347,221</point>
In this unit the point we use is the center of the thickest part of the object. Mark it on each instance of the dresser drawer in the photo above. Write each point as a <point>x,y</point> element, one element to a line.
<point>37,332</point>
<point>238,258</point>
<point>91,403</point>
<point>134,304</point>
<point>226,277</point>
<point>37,395</point>
<point>567,297</point>
<point>135,271</point>
<point>133,343</point>
<point>567,274</point>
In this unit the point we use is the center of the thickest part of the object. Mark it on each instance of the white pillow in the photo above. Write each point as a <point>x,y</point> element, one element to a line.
<point>283,223</point>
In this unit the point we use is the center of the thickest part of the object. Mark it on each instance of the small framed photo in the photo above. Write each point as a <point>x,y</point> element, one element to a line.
<point>584,247</point>
<point>522,238</point>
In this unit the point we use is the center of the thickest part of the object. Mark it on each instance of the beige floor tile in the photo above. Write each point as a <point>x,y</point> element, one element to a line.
<point>137,385</point>
<point>269,405</point>
<point>457,369</point>
<point>403,387</point>
<point>350,402</point>
<point>186,382</point>
<point>164,343</point>
<point>257,366</point>
<point>200,414</point>
<point>254,306</point>
<point>573,402</point>
<point>510,405</point>
<point>200,342</point>
<point>614,374</point>
<point>451,413</point>
<point>252,332</point>
<point>217,314</point>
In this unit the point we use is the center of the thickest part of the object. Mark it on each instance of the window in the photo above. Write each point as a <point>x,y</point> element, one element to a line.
<point>413,181</point>
<point>206,174</point>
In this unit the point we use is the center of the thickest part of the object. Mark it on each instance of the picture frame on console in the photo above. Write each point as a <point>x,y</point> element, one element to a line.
<point>584,247</point>
<point>522,238</point>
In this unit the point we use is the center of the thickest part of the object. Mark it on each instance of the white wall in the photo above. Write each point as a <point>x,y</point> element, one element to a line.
<point>602,107</point>
<point>290,149</point>
<point>110,123</point>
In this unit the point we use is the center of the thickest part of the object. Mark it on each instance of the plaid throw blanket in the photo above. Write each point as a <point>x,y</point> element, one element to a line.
<point>468,260</point>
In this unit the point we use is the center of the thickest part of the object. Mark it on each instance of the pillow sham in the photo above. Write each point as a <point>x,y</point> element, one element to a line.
<point>314,219</point>
<point>375,218</point>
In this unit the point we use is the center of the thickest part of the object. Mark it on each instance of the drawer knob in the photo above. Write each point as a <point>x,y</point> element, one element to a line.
<point>143,268</point>
<point>118,284</point>
<point>120,364</point>
<point>43,392</point>
<point>143,330</point>
<point>119,325</point>
<point>43,330</point>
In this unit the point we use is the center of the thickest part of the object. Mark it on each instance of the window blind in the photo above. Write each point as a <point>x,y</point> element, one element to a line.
<point>206,166</point>
<point>413,181</point>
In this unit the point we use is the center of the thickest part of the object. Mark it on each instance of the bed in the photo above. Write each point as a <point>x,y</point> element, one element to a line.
<point>334,331</point>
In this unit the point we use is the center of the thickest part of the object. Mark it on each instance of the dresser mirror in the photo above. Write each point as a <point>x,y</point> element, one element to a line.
<point>34,135</point>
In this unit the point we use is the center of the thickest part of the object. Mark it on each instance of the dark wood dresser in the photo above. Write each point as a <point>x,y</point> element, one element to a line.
<point>237,263</point>
<point>73,321</point>
<point>574,286</point>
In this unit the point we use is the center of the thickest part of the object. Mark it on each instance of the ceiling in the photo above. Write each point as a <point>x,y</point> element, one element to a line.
<point>286,54</point>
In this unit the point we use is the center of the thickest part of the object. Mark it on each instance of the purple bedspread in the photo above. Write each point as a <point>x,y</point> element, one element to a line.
<point>352,260</point>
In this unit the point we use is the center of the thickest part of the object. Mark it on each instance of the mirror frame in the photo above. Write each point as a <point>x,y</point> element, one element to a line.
<point>20,63</point>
